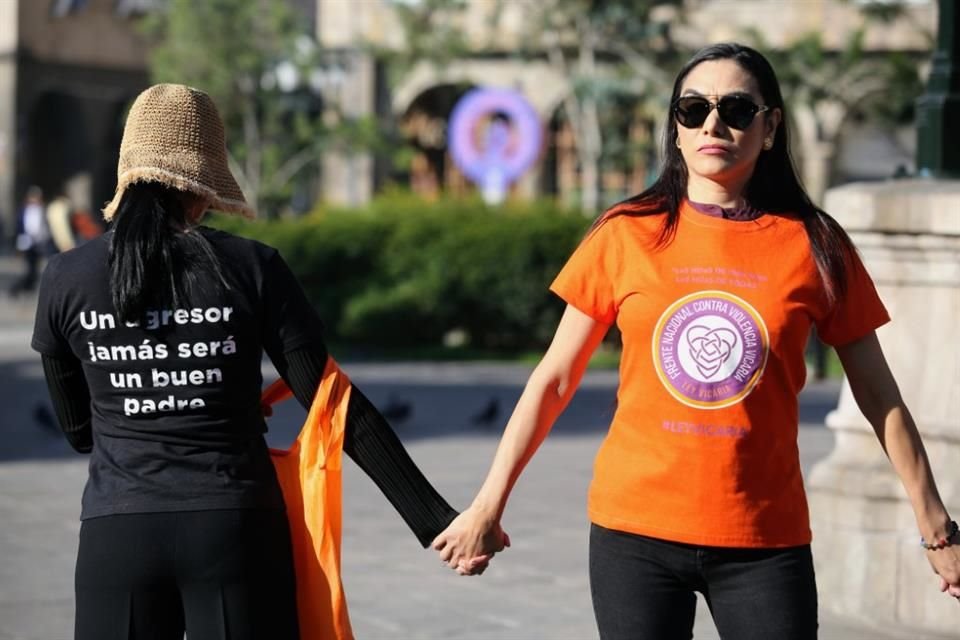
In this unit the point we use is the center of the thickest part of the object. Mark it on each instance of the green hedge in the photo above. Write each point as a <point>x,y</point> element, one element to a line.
<point>406,273</point>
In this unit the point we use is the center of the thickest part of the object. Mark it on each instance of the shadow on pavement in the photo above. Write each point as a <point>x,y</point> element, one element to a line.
<point>417,410</point>
<point>28,426</point>
<point>817,400</point>
<point>435,411</point>
<point>30,432</point>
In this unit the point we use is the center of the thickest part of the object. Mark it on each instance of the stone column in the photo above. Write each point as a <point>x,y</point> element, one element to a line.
<point>348,174</point>
<point>868,561</point>
<point>9,37</point>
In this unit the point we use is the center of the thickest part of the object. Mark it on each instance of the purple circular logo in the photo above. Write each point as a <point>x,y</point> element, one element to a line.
<point>495,136</point>
<point>710,349</point>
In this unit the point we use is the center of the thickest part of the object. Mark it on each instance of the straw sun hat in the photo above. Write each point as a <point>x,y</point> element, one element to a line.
<point>174,136</point>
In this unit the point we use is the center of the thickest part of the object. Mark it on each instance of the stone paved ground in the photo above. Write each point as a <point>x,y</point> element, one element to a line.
<point>537,589</point>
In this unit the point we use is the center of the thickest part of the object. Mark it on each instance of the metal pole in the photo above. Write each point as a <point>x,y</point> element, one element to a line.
<point>938,109</point>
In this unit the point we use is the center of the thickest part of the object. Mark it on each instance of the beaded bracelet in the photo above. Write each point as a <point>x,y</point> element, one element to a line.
<point>951,537</point>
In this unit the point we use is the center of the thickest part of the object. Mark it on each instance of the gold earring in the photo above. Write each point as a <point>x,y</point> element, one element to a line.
<point>678,142</point>
<point>768,144</point>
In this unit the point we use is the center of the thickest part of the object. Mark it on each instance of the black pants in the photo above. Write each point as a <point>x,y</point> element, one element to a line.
<point>644,589</point>
<point>219,575</point>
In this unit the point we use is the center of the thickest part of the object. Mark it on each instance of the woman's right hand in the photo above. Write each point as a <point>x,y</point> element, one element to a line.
<point>470,541</point>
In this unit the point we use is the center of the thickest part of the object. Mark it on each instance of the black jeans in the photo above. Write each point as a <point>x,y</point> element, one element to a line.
<point>644,589</point>
<point>219,575</point>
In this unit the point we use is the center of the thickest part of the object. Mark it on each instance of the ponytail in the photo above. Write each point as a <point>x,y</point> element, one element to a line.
<point>155,260</point>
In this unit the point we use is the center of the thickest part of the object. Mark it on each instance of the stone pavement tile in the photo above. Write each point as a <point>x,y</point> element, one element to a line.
<point>39,509</point>
<point>37,619</point>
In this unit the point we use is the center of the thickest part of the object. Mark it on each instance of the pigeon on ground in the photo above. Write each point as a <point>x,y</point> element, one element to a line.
<point>43,417</point>
<point>488,415</point>
<point>396,411</point>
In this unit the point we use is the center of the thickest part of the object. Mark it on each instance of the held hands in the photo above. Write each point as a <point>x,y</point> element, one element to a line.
<point>946,564</point>
<point>943,553</point>
<point>470,541</point>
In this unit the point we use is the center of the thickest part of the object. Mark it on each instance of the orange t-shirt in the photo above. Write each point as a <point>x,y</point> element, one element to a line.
<point>703,445</point>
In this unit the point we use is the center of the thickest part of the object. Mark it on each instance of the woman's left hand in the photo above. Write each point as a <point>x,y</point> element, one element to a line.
<point>946,564</point>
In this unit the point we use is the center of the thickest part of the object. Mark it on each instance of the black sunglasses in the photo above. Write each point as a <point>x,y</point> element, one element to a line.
<point>736,112</point>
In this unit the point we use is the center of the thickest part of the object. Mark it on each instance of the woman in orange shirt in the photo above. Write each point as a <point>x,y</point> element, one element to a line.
<point>715,276</point>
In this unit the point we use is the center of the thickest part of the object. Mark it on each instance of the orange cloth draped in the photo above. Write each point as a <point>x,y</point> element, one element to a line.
<point>310,476</point>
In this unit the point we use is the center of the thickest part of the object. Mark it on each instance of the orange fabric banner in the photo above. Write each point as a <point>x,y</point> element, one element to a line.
<point>310,476</point>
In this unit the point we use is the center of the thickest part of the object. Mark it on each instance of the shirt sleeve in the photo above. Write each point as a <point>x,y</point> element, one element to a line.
<point>290,321</point>
<point>49,322</point>
<point>588,279</point>
<point>71,399</point>
<point>856,312</point>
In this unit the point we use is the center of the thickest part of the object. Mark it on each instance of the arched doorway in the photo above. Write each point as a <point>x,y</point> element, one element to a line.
<point>627,165</point>
<point>424,126</point>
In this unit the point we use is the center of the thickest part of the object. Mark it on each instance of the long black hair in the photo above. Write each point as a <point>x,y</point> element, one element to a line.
<point>774,186</point>
<point>156,260</point>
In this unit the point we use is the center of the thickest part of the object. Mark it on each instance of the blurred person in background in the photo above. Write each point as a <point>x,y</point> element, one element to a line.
<point>715,276</point>
<point>85,225</point>
<point>59,215</point>
<point>151,338</point>
<point>32,239</point>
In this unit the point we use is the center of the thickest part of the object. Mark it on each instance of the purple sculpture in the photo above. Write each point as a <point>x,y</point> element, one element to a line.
<point>495,137</point>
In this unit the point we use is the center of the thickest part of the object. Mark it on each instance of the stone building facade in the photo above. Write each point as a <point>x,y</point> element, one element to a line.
<point>422,99</point>
<point>68,71</point>
<point>70,68</point>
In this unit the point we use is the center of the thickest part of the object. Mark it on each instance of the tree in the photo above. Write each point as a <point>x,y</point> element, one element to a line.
<point>590,42</point>
<point>826,88</point>
<point>431,31</point>
<point>612,51</point>
<point>249,55</point>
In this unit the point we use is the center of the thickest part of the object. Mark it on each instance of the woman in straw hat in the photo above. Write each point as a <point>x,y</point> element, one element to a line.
<point>151,338</point>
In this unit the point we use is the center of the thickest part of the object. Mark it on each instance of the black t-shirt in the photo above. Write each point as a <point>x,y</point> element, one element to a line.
<point>175,399</point>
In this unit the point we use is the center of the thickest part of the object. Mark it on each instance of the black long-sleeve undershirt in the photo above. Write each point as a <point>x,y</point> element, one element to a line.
<point>368,439</point>
<point>374,446</point>
<point>71,400</point>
